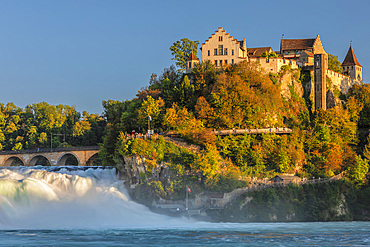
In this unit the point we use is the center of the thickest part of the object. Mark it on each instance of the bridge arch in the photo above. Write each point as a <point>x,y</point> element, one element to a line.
<point>90,161</point>
<point>14,161</point>
<point>39,160</point>
<point>70,157</point>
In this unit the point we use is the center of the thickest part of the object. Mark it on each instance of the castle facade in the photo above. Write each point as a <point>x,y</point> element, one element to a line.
<point>222,49</point>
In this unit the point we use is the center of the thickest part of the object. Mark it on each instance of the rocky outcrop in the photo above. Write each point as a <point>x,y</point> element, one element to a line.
<point>135,169</point>
<point>289,84</point>
<point>331,100</point>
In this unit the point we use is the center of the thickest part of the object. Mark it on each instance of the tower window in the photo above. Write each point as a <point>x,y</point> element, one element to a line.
<point>232,52</point>
<point>220,49</point>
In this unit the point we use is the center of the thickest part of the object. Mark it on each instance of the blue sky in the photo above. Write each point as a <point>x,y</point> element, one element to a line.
<point>82,52</point>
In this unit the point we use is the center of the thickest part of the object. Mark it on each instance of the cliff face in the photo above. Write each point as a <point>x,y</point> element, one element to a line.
<point>289,84</point>
<point>312,202</point>
<point>134,170</point>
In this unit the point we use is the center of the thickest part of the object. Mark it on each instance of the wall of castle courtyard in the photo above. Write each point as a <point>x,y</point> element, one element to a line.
<point>341,81</point>
<point>273,65</point>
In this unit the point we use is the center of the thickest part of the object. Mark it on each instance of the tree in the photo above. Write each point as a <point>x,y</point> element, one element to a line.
<point>269,54</point>
<point>153,108</point>
<point>334,64</point>
<point>181,51</point>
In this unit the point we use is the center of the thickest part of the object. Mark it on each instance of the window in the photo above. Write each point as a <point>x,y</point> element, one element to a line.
<point>225,62</point>
<point>215,53</point>
<point>209,53</point>
<point>232,52</point>
<point>220,62</point>
<point>220,38</point>
<point>190,65</point>
<point>232,61</point>
<point>194,64</point>
<point>225,51</point>
<point>220,49</point>
<point>216,63</point>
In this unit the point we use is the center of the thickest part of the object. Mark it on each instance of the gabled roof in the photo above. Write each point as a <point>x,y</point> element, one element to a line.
<point>242,43</point>
<point>257,51</point>
<point>297,44</point>
<point>192,57</point>
<point>350,58</point>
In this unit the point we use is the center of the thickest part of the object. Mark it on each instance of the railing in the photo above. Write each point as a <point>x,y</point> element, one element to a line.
<point>49,150</point>
<point>253,131</point>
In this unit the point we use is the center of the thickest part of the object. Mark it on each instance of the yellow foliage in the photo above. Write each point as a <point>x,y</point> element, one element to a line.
<point>81,127</point>
<point>181,120</point>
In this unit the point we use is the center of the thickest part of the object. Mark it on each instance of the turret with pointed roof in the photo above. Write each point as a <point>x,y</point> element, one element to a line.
<point>191,62</point>
<point>351,66</point>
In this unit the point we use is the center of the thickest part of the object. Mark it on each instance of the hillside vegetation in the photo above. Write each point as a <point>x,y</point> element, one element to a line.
<point>239,96</point>
<point>323,143</point>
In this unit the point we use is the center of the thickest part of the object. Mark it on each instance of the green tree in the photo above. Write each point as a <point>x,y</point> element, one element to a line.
<point>334,64</point>
<point>358,170</point>
<point>269,54</point>
<point>181,51</point>
<point>153,108</point>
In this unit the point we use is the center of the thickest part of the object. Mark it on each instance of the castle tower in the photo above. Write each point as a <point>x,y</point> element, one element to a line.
<point>320,68</point>
<point>351,66</point>
<point>191,62</point>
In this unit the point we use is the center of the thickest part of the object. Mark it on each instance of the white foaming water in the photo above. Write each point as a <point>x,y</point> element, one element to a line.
<point>32,198</point>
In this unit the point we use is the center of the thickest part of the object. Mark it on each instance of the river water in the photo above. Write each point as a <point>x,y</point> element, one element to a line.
<point>42,206</point>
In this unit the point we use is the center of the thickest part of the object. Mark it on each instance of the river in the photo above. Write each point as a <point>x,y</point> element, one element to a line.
<point>49,206</point>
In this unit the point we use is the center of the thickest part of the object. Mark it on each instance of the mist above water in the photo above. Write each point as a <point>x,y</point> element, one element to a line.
<point>32,198</point>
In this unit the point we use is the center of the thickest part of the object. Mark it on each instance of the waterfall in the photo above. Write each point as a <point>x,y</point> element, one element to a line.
<point>62,197</point>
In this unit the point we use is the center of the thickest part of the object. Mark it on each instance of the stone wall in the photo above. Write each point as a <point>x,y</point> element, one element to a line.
<point>273,65</point>
<point>342,82</point>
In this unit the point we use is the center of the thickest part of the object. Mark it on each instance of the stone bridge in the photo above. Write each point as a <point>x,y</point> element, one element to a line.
<point>81,156</point>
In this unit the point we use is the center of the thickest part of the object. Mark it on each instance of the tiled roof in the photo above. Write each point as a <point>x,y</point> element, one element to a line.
<point>192,57</point>
<point>350,58</point>
<point>257,51</point>
<point>297,44</point>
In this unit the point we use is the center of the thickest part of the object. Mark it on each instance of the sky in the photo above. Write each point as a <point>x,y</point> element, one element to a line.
<point>82,52</point>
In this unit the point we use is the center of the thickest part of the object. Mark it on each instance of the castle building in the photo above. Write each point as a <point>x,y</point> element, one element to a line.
<point>258,51</point>
<point>293,48</point>
<point>351,66</point>
<point>309,54</point>
<point>223,49</point>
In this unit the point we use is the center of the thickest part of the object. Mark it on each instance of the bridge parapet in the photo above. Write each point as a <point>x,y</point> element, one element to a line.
<point>55,156</point>
<point>50,150</point>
